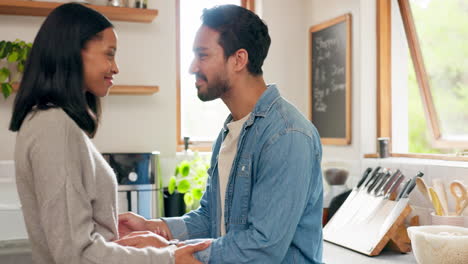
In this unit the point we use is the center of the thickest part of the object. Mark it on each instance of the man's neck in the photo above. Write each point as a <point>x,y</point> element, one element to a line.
<point>243,96</point>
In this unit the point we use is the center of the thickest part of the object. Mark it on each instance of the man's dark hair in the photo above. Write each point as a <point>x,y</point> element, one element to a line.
<point>240,28</point>
<point>53,75</point>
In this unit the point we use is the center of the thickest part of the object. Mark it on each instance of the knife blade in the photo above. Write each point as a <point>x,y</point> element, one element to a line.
<point>383,199</point>
<point>357,201</point>
<point>339,215</point>
<point>393,215</point>
<point>371,200</point>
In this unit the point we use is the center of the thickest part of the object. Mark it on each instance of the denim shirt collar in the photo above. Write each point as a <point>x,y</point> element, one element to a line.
<point>261,108</point>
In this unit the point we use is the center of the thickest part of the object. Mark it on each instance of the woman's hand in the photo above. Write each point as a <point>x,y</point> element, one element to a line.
<point>142,239</point>
<point>130,222</point>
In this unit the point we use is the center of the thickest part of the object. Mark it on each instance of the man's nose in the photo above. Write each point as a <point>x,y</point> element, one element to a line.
<point>193,67</point>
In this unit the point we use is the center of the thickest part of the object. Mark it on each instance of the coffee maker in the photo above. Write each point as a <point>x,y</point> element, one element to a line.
<point>139,183</point>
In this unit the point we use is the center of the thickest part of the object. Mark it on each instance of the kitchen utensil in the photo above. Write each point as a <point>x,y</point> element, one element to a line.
<point>422,187</point>
<point>340,215</point>
<point>382,184</point>
<point>357,202</point>
<point>370,199</point>
<point>458,191</point>
<point>388,193</point>
<point>408,188</point>
<point>436,202</point>
<point>393,215</point>
<point>353,193</point>
<point>462,208</point>
<point>439,187</point>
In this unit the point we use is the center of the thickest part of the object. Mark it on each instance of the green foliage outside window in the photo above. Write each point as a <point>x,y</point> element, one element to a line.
<point>442,28</point>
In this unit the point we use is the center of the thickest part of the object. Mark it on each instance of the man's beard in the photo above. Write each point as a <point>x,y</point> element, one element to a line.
<point>214,90</point>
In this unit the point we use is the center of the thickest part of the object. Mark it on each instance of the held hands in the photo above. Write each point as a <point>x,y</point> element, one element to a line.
<point>142,239</point>
<point>130,222</point>
<point>184,254</point>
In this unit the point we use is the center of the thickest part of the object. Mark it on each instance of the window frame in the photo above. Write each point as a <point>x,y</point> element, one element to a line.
<point>384,85</point>
<point>204,146</point>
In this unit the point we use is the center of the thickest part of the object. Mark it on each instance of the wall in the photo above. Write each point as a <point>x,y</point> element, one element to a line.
<point>363,95</point>
<point>146,56</point>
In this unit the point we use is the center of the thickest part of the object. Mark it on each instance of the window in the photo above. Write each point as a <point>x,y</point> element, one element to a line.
<point>423,75</point>
<point>201,121</point>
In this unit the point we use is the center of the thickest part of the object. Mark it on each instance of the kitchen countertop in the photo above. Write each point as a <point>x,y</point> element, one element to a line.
<point>334,254</point>
<point>12,247</point>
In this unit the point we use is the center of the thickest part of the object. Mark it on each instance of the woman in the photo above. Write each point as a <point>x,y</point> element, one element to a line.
<point>67,190</point>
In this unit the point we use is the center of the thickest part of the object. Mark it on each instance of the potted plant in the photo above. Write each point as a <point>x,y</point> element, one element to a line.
<point>187,185</point>
<point>13,56</point>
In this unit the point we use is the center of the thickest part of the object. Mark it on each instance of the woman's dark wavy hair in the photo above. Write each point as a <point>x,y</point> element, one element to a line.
<point>53,75</point>
<point>240,28</point>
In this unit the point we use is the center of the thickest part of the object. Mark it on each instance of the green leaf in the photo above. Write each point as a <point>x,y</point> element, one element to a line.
<point>197,193</point>
<point>20,67</point>
<point>4,74</point>
<point>6,90</point>
<point>177,170</point>
<point>184,186</point>
<point>188,199</point>
<point>13,56</point>
<point>184,168</point>
<point>172,185</point>
<point>8,48</point>
<point>2,49</point>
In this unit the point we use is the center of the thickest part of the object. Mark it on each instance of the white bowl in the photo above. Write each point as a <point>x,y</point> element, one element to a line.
<point>439,244</point>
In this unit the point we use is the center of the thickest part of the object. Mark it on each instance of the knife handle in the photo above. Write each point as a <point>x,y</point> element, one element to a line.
<point>364,176</point>
<point>413,183</point>
<point>394,185</point>
<point>378,189</point>
<point>372,177</point>
<point>403,189</point>
<point>391,181</point>
<point>375,182</point>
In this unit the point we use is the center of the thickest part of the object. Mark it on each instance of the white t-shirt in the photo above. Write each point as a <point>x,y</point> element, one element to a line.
<point>226,156</point>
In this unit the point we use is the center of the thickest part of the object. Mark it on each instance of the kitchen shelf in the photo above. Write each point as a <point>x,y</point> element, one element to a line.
<point>34,8</point>
<point>125,89</point>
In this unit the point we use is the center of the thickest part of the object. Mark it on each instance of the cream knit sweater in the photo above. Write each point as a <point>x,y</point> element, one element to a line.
<point>68,194</point>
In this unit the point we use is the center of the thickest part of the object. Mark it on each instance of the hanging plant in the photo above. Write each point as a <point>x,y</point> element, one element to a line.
<point>14,55</point>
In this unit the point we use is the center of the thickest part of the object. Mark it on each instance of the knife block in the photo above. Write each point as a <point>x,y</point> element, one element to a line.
<point>366,237</point>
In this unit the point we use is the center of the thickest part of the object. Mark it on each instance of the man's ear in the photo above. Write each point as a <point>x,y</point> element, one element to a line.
<point>241,59</point>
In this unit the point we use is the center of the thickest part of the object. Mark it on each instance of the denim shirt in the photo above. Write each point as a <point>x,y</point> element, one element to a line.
<point>273,205</point>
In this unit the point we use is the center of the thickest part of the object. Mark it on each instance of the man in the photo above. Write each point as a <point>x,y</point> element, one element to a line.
<point>263,202</point>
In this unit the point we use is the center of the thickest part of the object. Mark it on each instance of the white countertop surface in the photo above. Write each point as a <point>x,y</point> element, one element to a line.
<point>334,254</point>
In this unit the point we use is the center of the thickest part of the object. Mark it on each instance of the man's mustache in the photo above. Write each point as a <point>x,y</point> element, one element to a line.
<point>201,76</point>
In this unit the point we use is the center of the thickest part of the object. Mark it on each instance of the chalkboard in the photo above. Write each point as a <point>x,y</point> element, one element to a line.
<point>330,80</point>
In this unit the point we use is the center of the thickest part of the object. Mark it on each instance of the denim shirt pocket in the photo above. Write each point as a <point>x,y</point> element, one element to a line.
<point>241,192</point>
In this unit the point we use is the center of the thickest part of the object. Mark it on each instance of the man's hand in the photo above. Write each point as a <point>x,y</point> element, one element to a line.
<point>184,254</point>
<point>130,222</point>
<point>142,239</point>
